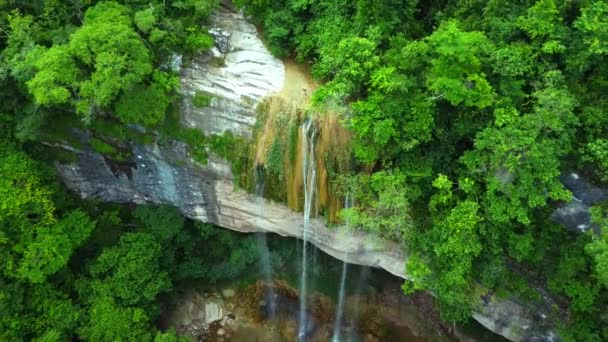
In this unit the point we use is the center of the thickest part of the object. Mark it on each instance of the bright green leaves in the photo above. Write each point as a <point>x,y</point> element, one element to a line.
<point>170,336</point>
<point>599,251</point>
<point>520,159</point>
<point>541,19</point>
<point>458,233</point>
<point>544,25</point>
<point>56,80</point>
<point>598,248</point>
<point>444,195</point>
<point>571,277</point>
<point>521,169</point>
<point>21,51</point>
<point>596,153</point>
<point>56,314</point>
<point>399,112</point>
<point>34,243</point>
<point>107,65</point>
<point>417,270</point>
<point>36,311</point>
<point>108,45</point>
<point>130,272</point>
<point>25,207</point>
<point>451,245</point>
<point>197,41</point>
<point>53,246</point>
<point>456,66</point>
<point>453,61</point>
<point>24,200</point>
<point>108,321</point>
<point>197,8</point>
<point>144,104</point>
<point>385,125</point>
<point>104,58</point>
<point>350,65</point>
<point>554,107</point>
<point>593,23</point>
<point>383,204</point>
<point>396,116</point>
<point>145,20</point>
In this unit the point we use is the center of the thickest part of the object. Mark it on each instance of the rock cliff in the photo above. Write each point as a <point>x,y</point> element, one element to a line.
<point>237,75</point>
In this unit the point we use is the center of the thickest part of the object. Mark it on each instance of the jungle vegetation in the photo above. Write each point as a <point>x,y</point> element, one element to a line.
<point>468,112</point>
<point>464,114</point>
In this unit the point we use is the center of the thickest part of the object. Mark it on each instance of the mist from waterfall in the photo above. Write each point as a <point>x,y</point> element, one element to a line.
<point>265,261</point>
<point>309,174</point>
<point>348,203</point>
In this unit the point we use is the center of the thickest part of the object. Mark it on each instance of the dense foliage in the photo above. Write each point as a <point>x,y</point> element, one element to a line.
<point>464,114</point>
<point>470,110</point>
<point>73,269</point>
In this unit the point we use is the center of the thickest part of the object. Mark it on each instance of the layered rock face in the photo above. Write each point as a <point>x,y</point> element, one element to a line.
<point>237,74</point>
<point>167,175</point>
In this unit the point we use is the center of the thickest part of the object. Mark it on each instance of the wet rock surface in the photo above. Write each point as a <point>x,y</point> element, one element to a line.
<point>575,214</point>
<point>237,73</point>
<point>244,318</point>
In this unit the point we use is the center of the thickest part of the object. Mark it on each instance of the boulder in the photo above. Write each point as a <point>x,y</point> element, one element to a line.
<point>575,214</point>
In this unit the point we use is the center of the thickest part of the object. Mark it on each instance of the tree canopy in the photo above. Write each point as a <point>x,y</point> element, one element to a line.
<point>479,106</point>
<point>463,116</point>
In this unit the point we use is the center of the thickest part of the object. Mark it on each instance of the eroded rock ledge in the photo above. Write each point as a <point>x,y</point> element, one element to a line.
<point>168,176</point>
<point>246,74</point>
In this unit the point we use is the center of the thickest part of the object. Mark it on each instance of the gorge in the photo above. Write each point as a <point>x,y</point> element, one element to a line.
<point>206,192</point>
<point>303,170</point>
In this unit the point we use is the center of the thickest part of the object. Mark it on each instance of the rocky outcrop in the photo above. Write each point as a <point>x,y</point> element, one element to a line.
<point>575,214</point>
<point>168,176</point>
<point>236,74</point>
<point>243,75</point>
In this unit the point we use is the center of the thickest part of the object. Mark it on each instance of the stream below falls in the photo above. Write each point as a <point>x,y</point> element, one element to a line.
<point>369,307</point>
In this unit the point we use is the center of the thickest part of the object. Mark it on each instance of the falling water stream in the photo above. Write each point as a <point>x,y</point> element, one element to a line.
<point>265,263</point>
<point>309,178</point>
<point>340,309</point>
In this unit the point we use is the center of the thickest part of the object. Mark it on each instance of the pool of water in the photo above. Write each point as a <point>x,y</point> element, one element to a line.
<point>374,307</point>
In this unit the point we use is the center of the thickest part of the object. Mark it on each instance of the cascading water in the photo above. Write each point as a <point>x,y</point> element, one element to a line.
<point>265,263</point>
<point>340,309</point>
<point>309,174</point>
<point>363,275</point>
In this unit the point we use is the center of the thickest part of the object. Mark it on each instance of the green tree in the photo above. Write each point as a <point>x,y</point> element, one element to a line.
<point>594,26</point>
<point>450,246</point>
<point>35,243</point>
<point>383,204</point>
<point>108,321</point>
<point>598,248</point>
<point>519,158</point>
<point>349,65</point>
<point>456,71</point>
<point>111,57</point>
<point>52,247</point>
<point>130,271</point>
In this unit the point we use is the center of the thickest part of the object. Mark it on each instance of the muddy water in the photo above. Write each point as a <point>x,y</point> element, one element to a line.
<point>255,334</point>
<point>298,86</point>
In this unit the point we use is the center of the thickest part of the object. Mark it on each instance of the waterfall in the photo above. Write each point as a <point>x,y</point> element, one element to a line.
<point>364,273</point>
<point>341,294</point>
<point>265,264</point>
<point>309,174</point>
